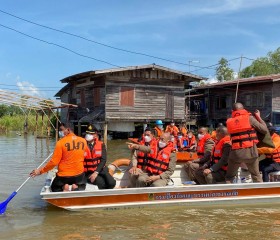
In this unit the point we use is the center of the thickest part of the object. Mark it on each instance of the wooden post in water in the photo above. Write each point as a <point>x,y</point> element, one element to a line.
<point>36,124</point>
<point>105,136</point>
<point>49,124</point>
<point>42,130</point>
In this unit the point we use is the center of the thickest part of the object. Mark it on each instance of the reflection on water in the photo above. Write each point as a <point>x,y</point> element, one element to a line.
<point>28,217</point>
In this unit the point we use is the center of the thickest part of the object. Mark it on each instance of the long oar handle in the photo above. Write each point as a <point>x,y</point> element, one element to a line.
<point>30,177</point>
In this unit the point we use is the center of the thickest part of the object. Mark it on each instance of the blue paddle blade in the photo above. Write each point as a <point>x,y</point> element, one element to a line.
<point>3,205</point>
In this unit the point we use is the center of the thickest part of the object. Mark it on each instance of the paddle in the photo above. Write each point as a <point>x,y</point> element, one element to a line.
<point>4,204</point>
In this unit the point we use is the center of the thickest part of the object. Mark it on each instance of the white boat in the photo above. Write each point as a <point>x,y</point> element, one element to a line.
<point>180,191</point>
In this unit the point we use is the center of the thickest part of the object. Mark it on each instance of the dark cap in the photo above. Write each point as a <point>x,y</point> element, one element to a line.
<point>91,129</point>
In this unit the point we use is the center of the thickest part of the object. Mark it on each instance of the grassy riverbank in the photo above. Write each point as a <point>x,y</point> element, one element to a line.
<point>17,123</point>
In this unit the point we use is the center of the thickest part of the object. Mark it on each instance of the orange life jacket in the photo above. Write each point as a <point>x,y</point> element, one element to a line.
<point>184,131</point>
<point>217,151</point>
<point>159,164</point>
<point>180,143</point>
<point>158,131</point>
<point>93,157</point>
<point>192,141</point>
<point>275,156</point>
<point>142,158</point>
<point>201,145</point>
<point>173,130</point>
<point>243,135</point>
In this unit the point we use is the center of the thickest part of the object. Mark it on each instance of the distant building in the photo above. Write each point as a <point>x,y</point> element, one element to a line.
<point>117,98</point>
<point>212,104</point>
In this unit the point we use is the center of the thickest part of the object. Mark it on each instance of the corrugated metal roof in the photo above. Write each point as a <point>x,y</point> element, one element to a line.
<point>259,79</point>
<point>130,68</point>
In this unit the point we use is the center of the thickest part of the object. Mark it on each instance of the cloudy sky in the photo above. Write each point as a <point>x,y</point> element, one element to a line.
<point>191,34</point>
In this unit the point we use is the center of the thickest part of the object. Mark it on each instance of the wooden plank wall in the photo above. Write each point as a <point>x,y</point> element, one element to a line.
<point>276,97</point>
<point>264,91</point>
<point>149,103</point>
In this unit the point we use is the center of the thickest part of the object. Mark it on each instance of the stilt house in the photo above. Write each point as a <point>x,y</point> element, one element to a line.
<point>118,98</point>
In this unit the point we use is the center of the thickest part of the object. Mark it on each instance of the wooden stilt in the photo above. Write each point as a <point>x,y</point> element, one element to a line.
<point>56,127</point>
<point>105,137</point>
<point>79,129</point>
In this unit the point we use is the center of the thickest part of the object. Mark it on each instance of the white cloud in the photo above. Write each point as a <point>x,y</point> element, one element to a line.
<point>28,88</point>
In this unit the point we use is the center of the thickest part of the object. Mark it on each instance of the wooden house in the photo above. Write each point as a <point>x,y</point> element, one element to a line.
<point>119,97</point>
<point>212,104</point>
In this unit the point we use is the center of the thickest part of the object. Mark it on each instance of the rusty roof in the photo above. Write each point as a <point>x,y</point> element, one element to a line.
<point>243,81</point>
<point>130,68</point>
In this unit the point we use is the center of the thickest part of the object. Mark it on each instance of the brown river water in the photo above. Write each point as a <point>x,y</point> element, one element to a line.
<point>29,217</point>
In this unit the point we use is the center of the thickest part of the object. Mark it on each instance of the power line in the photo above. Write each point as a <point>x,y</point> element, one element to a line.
<point>217,64</point>
<point>96,42</point>
<point>13,85</point>
<point>18,89</point>
<point>57,45</point>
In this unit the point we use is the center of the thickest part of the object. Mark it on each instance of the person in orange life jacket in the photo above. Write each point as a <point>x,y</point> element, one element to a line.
<point>272,161</point>
<point>95,159</point>
<point>192,143</point>
<point>172,129</point>
<point>68,156</point>
<point>174,140</point>
<point>182,142</point>
<point>140,159</point>
<point>214,132</point>
<point>183,129</point>
<point>158,128</point>
<point>217,166</point>
<point>243,128</point>
<point>204,151</point>
<point>161,164</point>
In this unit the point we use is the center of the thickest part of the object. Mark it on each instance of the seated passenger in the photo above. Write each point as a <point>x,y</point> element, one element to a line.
<point>160,165</point>
<point>183,129</point>
<point>204,151</point>
<point>192,143</point>
<point>217,167</point>
<point>182,142</point>
<point>68,156</point>
<point>172,129</point>
<point>140,159</point>
<point>95,159</point>
<point>271,162</point>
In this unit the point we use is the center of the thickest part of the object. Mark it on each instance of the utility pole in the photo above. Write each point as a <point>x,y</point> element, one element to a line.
<point>238,77</point>
<point>189,107</point>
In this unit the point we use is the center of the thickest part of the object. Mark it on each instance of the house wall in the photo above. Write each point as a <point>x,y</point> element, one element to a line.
<point>276,97</point>
<point>252,96</point>
<point>149,103</point>
<point>153,95</point>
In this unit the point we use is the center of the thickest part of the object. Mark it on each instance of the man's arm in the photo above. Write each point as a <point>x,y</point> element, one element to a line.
<point>209,144</point>
<point>103,159</point>
<point>260,125</point>
<point>171,167</point>
<point>224,159</point>
<point>57,155</point>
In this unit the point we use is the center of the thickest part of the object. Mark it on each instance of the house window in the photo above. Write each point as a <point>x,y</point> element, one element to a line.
<point>127,96</point>
<point>248,100</point>
<point>221,102</point>
<point>80,98</point>
<point>260,97</point>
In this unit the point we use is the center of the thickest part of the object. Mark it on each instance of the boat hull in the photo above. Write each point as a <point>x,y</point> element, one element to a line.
<point>169,195</point>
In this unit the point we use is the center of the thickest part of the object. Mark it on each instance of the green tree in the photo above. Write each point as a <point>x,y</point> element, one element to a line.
<point>223,71</point>
<point>263,65</point>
